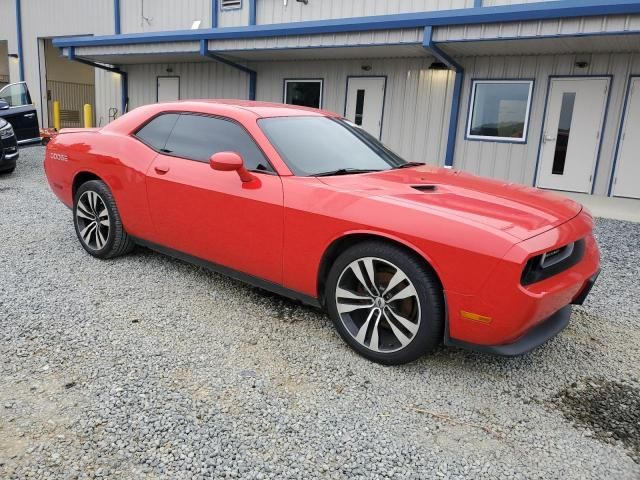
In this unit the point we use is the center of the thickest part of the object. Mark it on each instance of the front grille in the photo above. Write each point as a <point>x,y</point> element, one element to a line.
<point>552,262</point>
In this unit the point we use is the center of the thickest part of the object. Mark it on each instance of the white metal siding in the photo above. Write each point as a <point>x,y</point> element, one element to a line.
<point>517,162</point>
<point>235,17</point>
<point>108,95</point>
<point>537,28</point>
<point>275,11</point>
<point>414,35</point>
<point>51,19</point>
<point>156,15</point>
<point>8,24</point>
<point>417,102</point>
<point>197,80</point>
<point>494,3</point>
<point>140,49</point>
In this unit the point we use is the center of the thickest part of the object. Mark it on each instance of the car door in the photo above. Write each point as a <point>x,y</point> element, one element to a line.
<point>210,214</point>
<point>20,113</point>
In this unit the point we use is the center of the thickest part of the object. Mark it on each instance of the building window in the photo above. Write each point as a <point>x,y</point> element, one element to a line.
<point>306,93</point>
<point>230,4</point>
<point>499,110</point>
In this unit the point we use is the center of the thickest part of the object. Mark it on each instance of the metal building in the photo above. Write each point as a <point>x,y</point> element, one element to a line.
<point>545,93</point>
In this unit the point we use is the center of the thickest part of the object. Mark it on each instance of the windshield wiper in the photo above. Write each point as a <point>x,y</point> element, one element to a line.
<point>344,171</point>
<point>408,164</point>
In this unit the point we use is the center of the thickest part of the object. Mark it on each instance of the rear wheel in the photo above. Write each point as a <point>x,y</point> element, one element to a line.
<point>98,223</point>
<point>385,303</point>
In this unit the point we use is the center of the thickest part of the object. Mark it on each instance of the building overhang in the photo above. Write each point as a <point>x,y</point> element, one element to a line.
<point>439,18</point>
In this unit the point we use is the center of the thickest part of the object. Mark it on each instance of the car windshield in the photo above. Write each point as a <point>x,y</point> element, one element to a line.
<point>316,146</point>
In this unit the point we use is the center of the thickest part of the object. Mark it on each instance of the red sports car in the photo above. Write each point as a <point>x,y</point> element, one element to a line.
<point>302,202</point>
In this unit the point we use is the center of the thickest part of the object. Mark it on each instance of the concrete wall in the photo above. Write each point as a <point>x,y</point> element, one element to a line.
<point>517,162</point>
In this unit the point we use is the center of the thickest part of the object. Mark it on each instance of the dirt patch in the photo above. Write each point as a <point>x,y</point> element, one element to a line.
<point>611,410</point>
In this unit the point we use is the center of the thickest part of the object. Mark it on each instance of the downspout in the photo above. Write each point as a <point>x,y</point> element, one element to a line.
<point>116,17</point>
<point>429,45</point>
<point>19,38</point>
<point>214,13</point>
<point>123,76</point>
<point>253,75</point>
<point>252,12</point>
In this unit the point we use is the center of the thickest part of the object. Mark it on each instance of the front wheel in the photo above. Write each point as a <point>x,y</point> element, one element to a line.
<point>98,223</point>
<point>385,303</point>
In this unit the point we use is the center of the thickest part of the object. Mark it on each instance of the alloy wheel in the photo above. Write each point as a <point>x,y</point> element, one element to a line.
<point>378,304</point>
<point>92,217</point>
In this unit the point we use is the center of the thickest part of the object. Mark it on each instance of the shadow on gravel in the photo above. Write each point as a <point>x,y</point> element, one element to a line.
<point>611,410</point>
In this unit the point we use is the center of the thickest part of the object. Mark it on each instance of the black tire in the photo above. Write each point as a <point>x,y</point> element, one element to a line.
<point>104,242</point>
<point>427,304</point>
<point>9,171</point>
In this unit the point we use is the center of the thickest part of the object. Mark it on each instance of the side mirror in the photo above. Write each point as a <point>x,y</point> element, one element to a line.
<point>230,162</point>
<point>4,105</point>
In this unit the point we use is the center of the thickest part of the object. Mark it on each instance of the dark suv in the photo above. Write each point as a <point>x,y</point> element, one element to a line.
<point>8,147</point>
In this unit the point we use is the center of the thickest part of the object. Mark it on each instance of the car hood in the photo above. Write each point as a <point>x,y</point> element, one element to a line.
<point>518,210</point>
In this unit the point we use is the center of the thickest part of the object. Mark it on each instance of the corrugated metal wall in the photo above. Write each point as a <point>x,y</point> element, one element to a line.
<point>234,18</point>
<point>197,80</point>
<point>155,15</point>
<point>493,3</point>
<point>417,102</point>
<point>50,19</point>
<point>517,162</point>
<point>569,26</point>
<point>409,35</point>
<point>108,96</point>
<point>8,34</point>
<point>275,11</point>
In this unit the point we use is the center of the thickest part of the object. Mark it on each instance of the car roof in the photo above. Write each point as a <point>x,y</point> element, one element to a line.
<point>260,109</point>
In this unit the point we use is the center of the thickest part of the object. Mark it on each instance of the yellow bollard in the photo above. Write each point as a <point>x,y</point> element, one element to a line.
<point>56,115</point>
<point>88,116</point>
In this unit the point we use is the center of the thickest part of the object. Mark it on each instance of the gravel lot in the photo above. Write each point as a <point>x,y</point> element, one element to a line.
<point>146,367</point>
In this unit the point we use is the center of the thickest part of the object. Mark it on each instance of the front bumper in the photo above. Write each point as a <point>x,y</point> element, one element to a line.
<point>538,335</point>
<point>505,315</point>
<point>8,153</point>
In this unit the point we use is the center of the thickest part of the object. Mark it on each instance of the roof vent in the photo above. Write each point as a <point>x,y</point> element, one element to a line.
<point>424,188</point>
<point>231,4</point>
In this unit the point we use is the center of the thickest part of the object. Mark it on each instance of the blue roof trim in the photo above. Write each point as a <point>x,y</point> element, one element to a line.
<point>464,16</point>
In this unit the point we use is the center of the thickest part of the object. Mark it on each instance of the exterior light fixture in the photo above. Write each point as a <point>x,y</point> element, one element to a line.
<point>438,66</point>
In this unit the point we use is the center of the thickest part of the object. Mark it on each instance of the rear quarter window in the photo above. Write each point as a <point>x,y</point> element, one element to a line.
<point>156,132</point>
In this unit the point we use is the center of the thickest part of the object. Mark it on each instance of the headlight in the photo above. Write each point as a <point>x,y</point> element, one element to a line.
<point>6,131</point>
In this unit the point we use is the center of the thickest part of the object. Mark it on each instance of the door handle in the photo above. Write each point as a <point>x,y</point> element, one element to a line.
<point>29,115</point>
<point>549,138</point>
<point>161,169</point>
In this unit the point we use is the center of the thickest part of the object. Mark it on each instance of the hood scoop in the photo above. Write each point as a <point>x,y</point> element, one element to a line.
<point>424,188</point>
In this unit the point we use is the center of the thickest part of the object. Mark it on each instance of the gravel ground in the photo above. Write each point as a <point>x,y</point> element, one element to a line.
<point>146,367</point>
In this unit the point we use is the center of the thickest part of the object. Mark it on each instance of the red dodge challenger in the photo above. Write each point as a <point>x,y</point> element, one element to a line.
<point>302,202</point>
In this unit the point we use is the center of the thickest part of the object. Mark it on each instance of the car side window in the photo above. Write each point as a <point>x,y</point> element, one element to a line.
<point>16,95</point>
<point>156,132</point>
<point>197,137</point>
